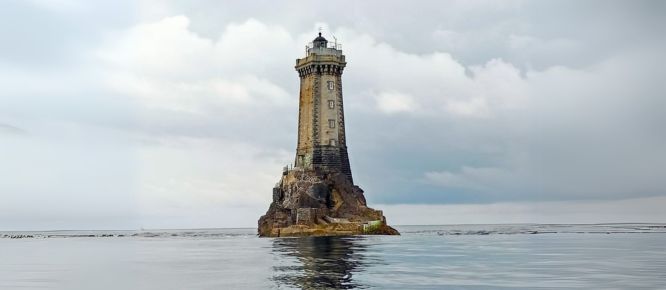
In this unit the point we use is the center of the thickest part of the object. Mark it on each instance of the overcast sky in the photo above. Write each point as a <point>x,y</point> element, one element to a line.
<point>177,114</point>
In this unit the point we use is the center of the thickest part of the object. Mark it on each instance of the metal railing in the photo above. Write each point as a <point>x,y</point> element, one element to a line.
<point>330,49</point>
<point>333,45</point>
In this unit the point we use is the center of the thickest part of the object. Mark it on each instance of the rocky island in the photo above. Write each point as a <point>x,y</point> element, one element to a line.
<point>317,196</point>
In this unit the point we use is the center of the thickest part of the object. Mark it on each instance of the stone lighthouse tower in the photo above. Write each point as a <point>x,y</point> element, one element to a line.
<point>321,122</point>
<point>317,197</point>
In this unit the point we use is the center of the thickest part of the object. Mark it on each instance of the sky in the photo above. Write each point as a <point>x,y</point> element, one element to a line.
<point>181,114</point>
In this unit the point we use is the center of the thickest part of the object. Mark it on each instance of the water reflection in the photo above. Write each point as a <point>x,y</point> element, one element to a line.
<point>318,262</point>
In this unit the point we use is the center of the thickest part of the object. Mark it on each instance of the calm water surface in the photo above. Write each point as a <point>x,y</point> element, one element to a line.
<point>425,257</point>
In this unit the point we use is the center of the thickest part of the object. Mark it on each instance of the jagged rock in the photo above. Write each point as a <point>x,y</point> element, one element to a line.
<point>307,203</point>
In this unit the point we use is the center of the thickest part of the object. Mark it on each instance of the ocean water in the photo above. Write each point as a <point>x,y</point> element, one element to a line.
<point>609,256</point>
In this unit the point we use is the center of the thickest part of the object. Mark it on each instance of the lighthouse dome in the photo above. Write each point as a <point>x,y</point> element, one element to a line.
<point>320,41</point>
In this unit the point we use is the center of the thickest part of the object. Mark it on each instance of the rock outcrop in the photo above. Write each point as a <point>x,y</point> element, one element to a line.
<point>308,203</point>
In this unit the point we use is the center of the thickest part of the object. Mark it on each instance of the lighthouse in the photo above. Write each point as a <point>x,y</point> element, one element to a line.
<point>317,197</point>
<point>322,145</point>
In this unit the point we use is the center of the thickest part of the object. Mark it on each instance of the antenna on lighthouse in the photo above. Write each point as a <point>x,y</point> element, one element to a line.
<point>335,39</point>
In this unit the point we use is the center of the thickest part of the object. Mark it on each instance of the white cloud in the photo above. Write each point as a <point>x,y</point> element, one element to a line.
<point>394,102</point>
<point>162,48</point>
<point>166,65</point>
<point>169,48</point>
<point>476,107</point>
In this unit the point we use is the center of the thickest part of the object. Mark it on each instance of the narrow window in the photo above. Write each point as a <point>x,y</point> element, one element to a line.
<point>333,142</point>
<point>330,85</point>
<point>331,123</point>
<point>331,104</point>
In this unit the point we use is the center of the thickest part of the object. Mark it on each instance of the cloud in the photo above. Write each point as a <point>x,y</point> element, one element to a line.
<point>484,179</point>
<point>11,130</point>
<point>574,212</point>
<point>393,102</point>
<point>210,173</point>
<point>429,83</point>
<point>169,48</point>
<point>536,123</point>
<point>58,5</point>
<point>187,109</point>
<point>165,66</point>
<point>581,135</point>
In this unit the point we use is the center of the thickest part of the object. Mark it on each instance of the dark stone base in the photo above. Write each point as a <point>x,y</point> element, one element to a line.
<point>332,159</point>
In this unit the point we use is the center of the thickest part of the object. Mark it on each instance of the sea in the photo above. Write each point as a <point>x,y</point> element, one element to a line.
<point>523,256</point>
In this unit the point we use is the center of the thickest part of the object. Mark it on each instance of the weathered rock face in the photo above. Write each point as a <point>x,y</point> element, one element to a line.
<point>307,203</point>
